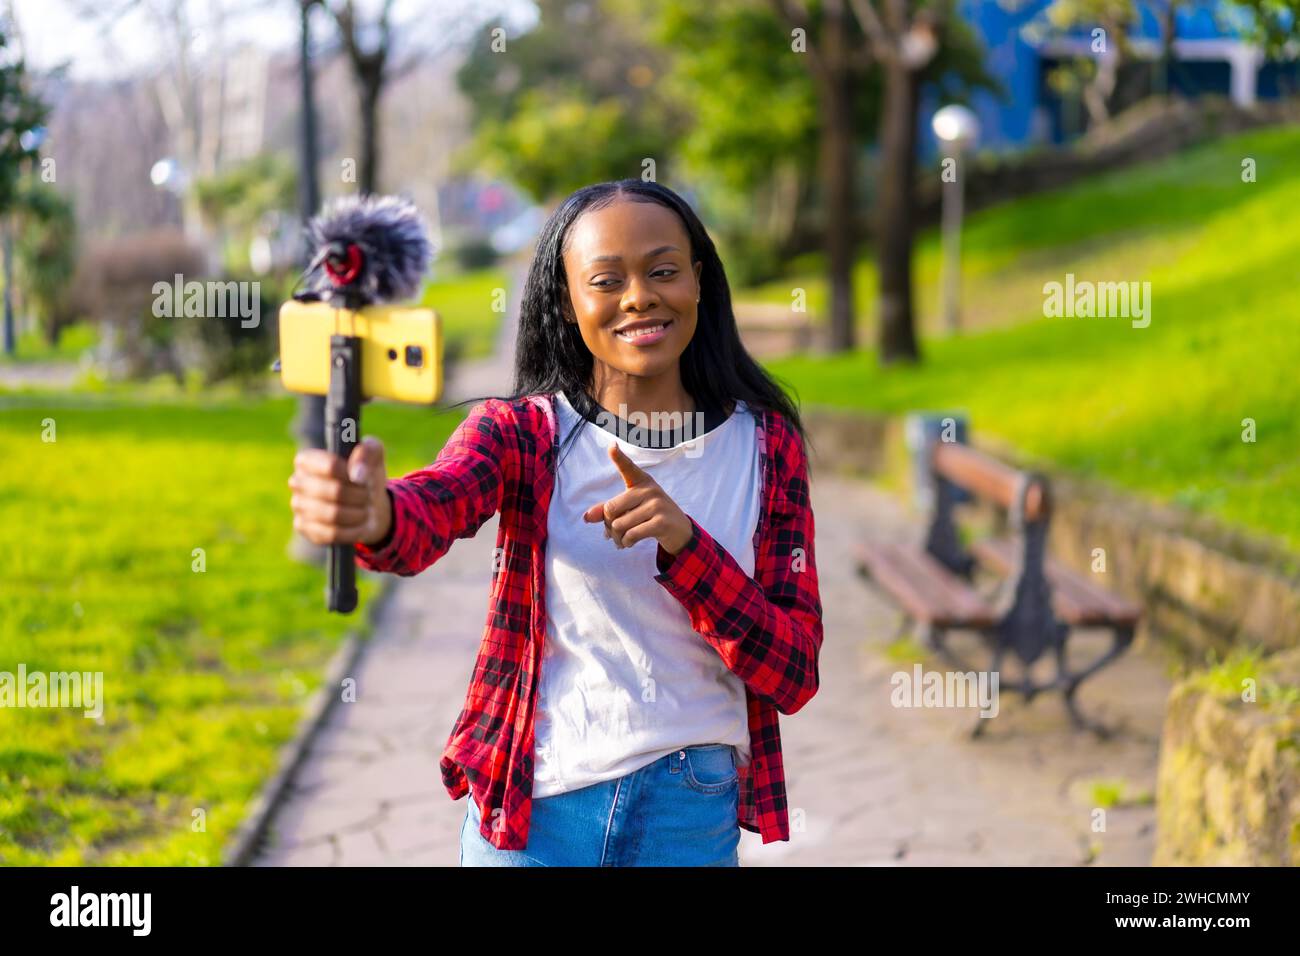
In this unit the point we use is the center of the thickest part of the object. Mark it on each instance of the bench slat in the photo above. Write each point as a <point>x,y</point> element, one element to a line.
<point>929,591</point>
<point>1076,600</point>
<point>987,477</point>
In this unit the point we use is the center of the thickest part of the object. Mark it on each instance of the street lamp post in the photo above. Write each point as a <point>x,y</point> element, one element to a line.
<point>169,174</point>
<point>958,130</point>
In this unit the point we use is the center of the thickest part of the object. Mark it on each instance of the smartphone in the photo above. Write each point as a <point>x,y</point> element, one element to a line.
<point>401,349</point>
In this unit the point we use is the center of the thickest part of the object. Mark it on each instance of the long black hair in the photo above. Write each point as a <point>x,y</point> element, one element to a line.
<point>551,356</point>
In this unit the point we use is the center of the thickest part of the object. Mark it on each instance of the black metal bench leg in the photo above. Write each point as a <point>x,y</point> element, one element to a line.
<point>937,640</point>
<point>1081,722</point>
<point>1071,684</point>
<point>995,667</point>
<point>1122,638</point>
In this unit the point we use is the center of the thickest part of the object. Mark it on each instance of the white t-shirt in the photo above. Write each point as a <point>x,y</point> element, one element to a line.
<point>625,678</point>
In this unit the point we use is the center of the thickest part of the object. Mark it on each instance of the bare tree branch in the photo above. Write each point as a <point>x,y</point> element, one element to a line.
<point>795,14</point>
<point>884,45</point>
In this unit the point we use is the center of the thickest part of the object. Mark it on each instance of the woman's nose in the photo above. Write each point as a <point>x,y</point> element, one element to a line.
<point>640,295</point>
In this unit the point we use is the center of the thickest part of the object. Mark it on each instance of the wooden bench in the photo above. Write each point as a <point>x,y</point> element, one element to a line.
<point>934,584</point>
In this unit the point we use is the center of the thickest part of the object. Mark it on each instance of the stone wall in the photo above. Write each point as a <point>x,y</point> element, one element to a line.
<point>1199,591</point>
<point>1228,784</point>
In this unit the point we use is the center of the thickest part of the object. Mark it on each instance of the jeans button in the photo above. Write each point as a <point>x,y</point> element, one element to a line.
<point>681,754</point>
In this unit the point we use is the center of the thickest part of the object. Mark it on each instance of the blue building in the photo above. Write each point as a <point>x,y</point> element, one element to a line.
<point>1210,56</point>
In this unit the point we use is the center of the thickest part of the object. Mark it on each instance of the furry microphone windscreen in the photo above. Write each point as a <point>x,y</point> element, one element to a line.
<point>393,242</point>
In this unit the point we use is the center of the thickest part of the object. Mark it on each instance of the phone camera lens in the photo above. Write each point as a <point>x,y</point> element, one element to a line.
<point>415,356</point>
<point>392,355</point>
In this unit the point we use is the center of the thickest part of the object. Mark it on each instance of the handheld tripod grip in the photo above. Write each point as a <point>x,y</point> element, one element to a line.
<point>342,427</point>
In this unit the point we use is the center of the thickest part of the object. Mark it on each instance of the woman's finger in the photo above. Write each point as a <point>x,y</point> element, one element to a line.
<point>343,492</point>
<point>319,462</point>
<point>630,521</point>
<point>318,533</point>
<point>650,528</point>
<point>622,502</point>
<point>328,512</point>
<point>633,474</point>
<point>626,501</point>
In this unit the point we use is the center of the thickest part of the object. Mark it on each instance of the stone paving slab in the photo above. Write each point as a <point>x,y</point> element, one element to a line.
<point>869,784</point>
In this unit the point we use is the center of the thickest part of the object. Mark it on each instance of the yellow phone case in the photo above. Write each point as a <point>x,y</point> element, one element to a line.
<point>388,333</point>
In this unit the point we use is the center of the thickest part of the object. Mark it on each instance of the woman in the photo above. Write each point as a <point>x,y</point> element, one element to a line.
<point>623,708</point>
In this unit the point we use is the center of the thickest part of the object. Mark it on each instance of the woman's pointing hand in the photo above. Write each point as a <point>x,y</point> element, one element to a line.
<point>643,511</point>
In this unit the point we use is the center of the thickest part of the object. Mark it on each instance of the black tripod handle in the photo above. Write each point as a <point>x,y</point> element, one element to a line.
<point>342,432</point>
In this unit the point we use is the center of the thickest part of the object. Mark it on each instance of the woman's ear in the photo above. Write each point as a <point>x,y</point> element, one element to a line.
<point>699,266</point>
<point>566,307</point>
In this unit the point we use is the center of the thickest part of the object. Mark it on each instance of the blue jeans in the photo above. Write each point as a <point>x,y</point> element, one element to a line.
<point>679,810</point>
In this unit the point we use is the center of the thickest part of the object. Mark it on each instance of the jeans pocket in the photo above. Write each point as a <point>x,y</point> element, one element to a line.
<point>710,768</point>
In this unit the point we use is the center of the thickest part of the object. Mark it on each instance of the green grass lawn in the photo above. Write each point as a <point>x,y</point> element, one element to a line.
<point>205,673</point>
<point>1157,410</point>
<point>32,347</point>
<point>465,302</point>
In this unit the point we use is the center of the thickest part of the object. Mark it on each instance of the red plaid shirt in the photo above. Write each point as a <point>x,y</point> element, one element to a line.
<point>767,629</point>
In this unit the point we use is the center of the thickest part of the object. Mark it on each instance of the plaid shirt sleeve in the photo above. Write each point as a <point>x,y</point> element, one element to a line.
<point>769,634</point>
<point>449,499</point>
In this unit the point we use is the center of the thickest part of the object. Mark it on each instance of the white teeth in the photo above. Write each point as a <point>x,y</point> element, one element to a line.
<point>636,333</point>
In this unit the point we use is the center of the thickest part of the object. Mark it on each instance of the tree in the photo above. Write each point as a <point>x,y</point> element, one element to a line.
<point>1271,24</point>
<point>234,202</point>
<point>572,101</point>
<point>834,57</point>
<point>903,40</point>
<point>1109,23</point>
<point>46,254</point>
<point>370,49</point>
<point>756,167</point>
<point>20,113</point>
<point>906,41</point>
<point>368,63</point>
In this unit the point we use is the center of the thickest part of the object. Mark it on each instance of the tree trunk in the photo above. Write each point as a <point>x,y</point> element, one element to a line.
<point>371,80</point>
<point>895,203</point>
<point>837,169</point>
<point>8,240</point>
<point>1097,95</point>
<point>1168,27</point>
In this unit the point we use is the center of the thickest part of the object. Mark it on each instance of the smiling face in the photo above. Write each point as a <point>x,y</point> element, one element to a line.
<point>629,265</point>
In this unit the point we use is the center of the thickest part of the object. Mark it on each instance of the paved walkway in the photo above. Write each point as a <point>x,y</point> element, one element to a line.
<point>42,375</point>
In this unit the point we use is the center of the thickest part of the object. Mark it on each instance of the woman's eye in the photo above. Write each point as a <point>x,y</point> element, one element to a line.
<point>610,282</point>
